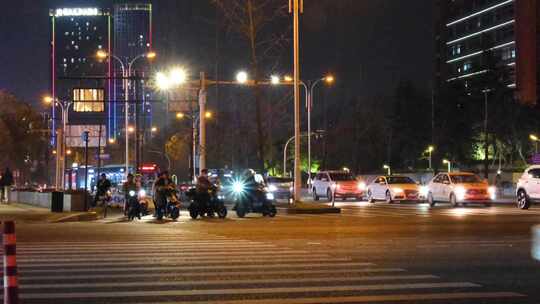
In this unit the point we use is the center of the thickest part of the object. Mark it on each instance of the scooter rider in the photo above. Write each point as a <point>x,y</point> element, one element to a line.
<point>162,187</point>
<point>103,185</point>
<point>203,186</point>
<point>129,185</point>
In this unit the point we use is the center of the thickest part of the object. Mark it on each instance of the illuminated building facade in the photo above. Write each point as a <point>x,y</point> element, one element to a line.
<point>132,38</point>
<point>76,35</point>
<point>477,36</point>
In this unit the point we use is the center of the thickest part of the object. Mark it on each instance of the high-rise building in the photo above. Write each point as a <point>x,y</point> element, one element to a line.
<point>474,36</point>
<point>76,75</point>
<point>132,39</point>
<point>478,36</point>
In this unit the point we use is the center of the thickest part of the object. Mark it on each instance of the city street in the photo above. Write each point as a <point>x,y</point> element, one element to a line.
<point>370,253</point>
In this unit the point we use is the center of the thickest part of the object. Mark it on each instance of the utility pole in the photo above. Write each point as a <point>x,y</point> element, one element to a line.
<point>202,123</point>
<point>486,138</point>
<point>296,8</point>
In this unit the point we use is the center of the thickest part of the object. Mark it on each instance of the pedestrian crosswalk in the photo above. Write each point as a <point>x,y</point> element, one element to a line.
<point>189,268</point>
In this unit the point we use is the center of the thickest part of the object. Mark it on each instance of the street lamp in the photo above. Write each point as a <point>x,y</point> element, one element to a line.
<point>61,154</point>
<point>430,150</point>
<point>126,73</point>
<point>274,79</point>
<point>242,77</point>
<point>388,169</point>
<point>178,76</point>
<point>154,129</point>
<point>535,139</point>
<point>449,163</point>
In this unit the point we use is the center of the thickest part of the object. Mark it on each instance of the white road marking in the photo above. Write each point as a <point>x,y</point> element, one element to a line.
<point>187,268</point>
<point>369,299</point>
<point>229,281</point>
<point>195,274</point>
<point>244,291</point>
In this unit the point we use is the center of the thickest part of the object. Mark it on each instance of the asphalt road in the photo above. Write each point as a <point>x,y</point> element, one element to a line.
<point>371,253</point>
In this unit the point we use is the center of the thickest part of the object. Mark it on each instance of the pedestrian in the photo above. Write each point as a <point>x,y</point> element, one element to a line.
<point>7,182</point>
<point>1,188</point>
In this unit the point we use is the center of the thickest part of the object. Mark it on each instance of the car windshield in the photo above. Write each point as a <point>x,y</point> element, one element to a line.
<point>399,180</point>
<point>342,177</point>
<point>279,180</point>
<point>466,178</point>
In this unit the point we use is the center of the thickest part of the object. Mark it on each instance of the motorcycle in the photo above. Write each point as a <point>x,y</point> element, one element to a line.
<point>103,202</point>
<point>171,209</point>
<point>133,205</point>
<point>256,199</point>
<point>214,205</point>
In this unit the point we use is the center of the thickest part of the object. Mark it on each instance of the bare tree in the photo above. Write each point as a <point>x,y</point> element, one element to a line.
<point>253,20</point>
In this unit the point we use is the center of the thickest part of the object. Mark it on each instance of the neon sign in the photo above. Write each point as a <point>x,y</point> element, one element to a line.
<point>80,11</point>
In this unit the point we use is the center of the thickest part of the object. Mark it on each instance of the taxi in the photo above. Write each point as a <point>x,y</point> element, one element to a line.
<point>460,188</point>
<point>393,188</point>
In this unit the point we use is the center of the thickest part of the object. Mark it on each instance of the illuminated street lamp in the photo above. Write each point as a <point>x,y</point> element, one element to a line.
<point>61,153</point>
<point>208,114</point>
<point>535,139</point>
<point>126,73</point>
<point>449,163</point>
<point>274,79</point>
<point>154,129</point>
<point>180,115</point>
<point>430,150</point>
<point>178,76</point>
<point>112,141</point>
<point>131,129</point>
<point>242,77</point>
<point>388,169</point>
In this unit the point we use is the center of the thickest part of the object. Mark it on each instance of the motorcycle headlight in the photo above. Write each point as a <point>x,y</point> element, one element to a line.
<point>131,193</point>
<point>361,186</point>
<point>272,188</point>
<point>424,190</point>
<point>142,193</point>
<point>238,187</point>
<point>270,196</point>
<point>492,192</point>
<point>460,193</point>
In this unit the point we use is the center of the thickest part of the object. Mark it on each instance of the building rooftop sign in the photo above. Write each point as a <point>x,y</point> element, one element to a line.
<point>77,11</point>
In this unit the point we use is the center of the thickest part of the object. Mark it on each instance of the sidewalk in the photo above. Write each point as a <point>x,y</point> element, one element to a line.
<point>28,213</point>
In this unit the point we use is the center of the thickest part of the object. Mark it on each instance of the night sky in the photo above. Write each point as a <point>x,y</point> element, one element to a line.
<point>370,45</point>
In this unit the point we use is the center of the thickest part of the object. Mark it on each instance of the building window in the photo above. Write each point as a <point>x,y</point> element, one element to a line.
<point>88,100</point>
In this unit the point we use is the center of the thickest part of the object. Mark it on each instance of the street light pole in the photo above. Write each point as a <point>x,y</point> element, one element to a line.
<point>202,123</point>
<point>296,9</point>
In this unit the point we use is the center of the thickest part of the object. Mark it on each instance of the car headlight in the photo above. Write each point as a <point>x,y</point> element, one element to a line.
<point>221,197</point>
<point>460,193</point>
<point>272,188</point>
<point>397,190</point>
<point>424,190</point>
<point>361,186</point>
<point>142,193</point>
<point>492,192</point>
<point>131,193</point>
<point>270,196</point>
<point>291,188</point>
<point>238,187</point>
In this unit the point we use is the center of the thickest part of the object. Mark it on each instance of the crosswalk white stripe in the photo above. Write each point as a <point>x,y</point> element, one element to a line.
<point>229,281</point>
<point>368,299</point>
<point>179,261</point>
<point>244,291</point>
<point>186,268</point>
<point>178,251</point>
<point>177,255</point>
<point>194,274</point>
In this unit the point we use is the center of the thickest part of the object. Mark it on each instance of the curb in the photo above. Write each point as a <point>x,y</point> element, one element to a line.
<point>80,217</point>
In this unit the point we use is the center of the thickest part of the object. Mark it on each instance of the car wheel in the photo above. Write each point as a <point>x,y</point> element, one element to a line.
<point>431,200</point>
<point>370,197</point>
<point>453,201</point>
<point>523,201</point>
<point>388,197</point>
<point>329,195</point>
<point>315,196</point>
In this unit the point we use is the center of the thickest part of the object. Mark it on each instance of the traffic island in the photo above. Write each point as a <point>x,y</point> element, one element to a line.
<point>310,208</point>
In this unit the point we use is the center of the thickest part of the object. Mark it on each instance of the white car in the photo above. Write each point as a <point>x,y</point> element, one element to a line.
<point>528,188</point>
<point>334,184</point>
<point>460,188</point>
<point>395,188</point>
